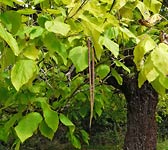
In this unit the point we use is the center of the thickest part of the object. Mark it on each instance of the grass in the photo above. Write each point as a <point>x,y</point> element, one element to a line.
<point>162,145</point>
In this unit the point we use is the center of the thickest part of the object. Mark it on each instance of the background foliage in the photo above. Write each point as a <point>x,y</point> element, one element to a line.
<point>44,55</point>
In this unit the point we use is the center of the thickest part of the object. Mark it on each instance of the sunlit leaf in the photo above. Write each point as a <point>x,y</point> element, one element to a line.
<point>153,5</point>
<point>158,87</point>
<point>9,39</point>
<point>57,27</point>
<point>119,4</point>
<point>143,9</point>
<point>37,1</point>
<point>129,34</point>
<point>79,57</point>
<point>159,57</point>
<point>36,32</point>
<point>22,72</point>
<point>65,120</point>
<point>141,79</point>
<point>98,50</point>
<point>143,47</point>
<point>19,2</point>
<point>110,45</point>
<point>7,2</point>
<point>31,52</point>
<point>164,81</point>
<point>26,11</point>
<point>28,125</point>
<point>54,45</point>
<point>50,117</point>
<point>12,20</point>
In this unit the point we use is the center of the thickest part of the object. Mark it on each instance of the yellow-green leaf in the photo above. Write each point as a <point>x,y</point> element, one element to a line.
<point>117,76</point>
<point>57,26</point>
<point>79,57</point>
<point>50,117</point>
<point>22,72</point>
<point>46,131</point>
<point>160,58</point>
<point>28,125</point>
<point>110,45</point>
<point>153,5</point>
<point>6,36</point>
<point>143,47</point>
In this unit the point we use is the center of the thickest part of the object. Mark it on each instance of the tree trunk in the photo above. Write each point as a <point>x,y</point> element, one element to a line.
<point>141,123</point>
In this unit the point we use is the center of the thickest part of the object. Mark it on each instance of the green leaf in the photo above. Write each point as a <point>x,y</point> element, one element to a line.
<point>141,79</point>
<point>158,86</point>
<point>28,125</point>
<point>12,20</point>
<point>31,52</point>
<point>37,1</point>
<point>3,134</point>
<point>95,37</point>
<point>7,58</point>
<point>57,27</point>
<point>54,45</point>
<point>102,70</point>
<point>110,45</point>
<point>84,110</point>
<point>112,33</point>
<point>65,120</point>
<point>79,57</point>
<point>42,19</point>
<point>143,47</point>
<point>50,117</point>
<point>22,72</point>
<point>143,9</point>
<point>35,32</point>
<point>149,70</point>
<point>129,34</point>
<point>153,5</point>
<point>10,123</point>
<point>7,2</point>
<point>9,39</point>
<point>117,76</point>
<point>85,136</point>
<point>46,131</point>
<point>90,24</point>
<point>19,2</point>
<point>119,4</point>
<point>26,11</point>
<point>98,108</point>
<point>159,57</point>
<point>75,142</point>
<point>120,64</point>
<point>164,81</point>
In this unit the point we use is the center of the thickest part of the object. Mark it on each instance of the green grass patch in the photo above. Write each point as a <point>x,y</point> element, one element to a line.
<point>162,145</point>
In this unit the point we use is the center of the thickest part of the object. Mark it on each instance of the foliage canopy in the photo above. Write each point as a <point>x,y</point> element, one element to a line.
<point>47,46</point>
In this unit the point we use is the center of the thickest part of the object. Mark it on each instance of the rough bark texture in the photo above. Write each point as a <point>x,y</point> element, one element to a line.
<point>141,124</point>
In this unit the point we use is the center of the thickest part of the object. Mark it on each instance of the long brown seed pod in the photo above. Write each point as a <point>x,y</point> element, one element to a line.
<point>91,58</point>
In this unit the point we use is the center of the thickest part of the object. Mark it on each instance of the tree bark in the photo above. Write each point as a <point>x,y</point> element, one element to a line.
<point>141,108</point>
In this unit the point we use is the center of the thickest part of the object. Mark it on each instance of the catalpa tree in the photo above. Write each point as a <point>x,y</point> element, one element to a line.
<point>58,54</point>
